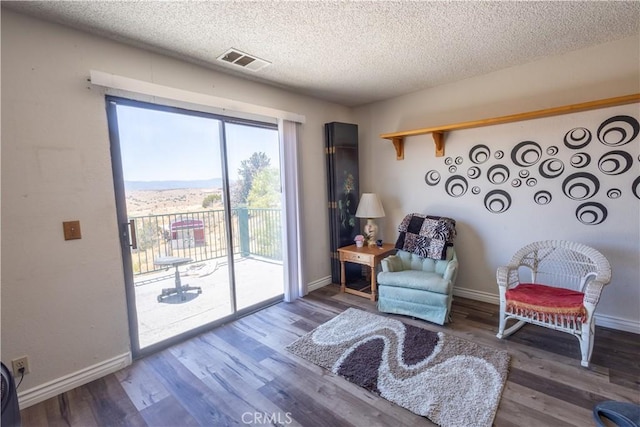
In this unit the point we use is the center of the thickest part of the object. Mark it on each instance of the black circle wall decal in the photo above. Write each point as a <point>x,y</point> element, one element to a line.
<point>498,174</point>
<point>577,138</point>
<point>580,186</point>
<point>523,173</point>
<point>618,130</point>
<point>542,197</point>
<point>458,160</point>
<point>551,168</point>
<point>615,162</point>
<point>448,161</point>
<point>456,186</point>
<point>473,172</point>
<point>432,177</point>
<point>591,213</point>
<point>635,187</point>
<point>497,201</point>
<point>614,193</point>
<point>552,150</point>
<point>475,190</point>
<point>499,154</point>
<point>479,154</point>
<point>526,153</point>
<point>516,183</point>
<point>531,182</point>
<point>453,168</point>
<point>580,160</point>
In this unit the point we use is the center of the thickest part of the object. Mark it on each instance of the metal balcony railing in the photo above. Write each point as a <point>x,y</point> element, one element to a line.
<point>202,236</point>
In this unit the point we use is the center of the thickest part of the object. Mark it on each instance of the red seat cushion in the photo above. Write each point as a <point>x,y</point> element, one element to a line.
<point>543,302</point>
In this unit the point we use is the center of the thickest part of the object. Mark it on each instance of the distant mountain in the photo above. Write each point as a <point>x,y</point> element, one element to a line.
<point>172,185</point>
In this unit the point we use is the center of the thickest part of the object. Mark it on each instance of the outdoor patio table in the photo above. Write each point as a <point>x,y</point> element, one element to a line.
<point>179,289</point>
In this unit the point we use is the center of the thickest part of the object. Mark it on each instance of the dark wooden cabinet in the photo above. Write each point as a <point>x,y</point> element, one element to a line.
<point>341,149</point>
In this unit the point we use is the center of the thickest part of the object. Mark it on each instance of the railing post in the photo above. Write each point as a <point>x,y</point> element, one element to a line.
<point>243,226</point>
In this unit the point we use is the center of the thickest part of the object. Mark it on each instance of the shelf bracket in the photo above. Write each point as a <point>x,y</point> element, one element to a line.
<point>438,140</point>
<point>398,143</point>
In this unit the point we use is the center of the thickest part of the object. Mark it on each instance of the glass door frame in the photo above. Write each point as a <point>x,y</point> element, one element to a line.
<point>124,228</point>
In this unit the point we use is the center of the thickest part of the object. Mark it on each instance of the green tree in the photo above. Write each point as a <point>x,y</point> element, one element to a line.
<point>211,200</point>
<point>147,235</point>
<point>265,194</point>
<point>265,190</point>
<point>248,169</point>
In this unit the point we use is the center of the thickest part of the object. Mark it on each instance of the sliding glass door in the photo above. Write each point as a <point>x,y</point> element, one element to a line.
<point>256,199</point>
<point>199,207</point>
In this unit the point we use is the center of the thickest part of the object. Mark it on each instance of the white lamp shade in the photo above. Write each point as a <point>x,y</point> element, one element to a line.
<point>369,206</point>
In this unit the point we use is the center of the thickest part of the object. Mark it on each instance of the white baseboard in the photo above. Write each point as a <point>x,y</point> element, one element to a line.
<point>317,284</point>
<point>603,320</point>
<point>618,323</point>
<point>68,382</point>
<point>476,295</point>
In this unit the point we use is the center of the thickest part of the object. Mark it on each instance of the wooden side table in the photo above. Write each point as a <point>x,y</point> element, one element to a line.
<point>366,255</point>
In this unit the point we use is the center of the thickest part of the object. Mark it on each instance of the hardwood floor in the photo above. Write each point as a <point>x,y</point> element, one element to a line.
<point>240,374</point>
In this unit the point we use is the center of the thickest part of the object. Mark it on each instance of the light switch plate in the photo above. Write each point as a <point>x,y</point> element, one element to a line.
<point>71,230</point>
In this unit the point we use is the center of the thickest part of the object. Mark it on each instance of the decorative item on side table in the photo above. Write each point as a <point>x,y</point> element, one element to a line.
<point>359,239</point>
<point>370,207</point>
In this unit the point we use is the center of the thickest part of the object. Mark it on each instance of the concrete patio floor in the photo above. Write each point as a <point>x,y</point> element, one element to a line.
<point>257,280</point>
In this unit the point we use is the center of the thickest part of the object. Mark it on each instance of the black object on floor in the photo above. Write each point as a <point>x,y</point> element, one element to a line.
<point>623,414</point>
<point>10,408</point>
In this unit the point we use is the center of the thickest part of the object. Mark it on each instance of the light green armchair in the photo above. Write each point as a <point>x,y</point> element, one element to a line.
<point>420,287</point>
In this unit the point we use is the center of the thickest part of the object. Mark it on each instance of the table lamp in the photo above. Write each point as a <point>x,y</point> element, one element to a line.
<point>370,207</point>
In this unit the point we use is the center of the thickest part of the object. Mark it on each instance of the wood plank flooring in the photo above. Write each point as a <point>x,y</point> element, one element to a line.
<point>240,374</point>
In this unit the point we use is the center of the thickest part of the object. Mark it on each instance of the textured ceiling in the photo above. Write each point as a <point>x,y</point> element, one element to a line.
<point>353,52</point>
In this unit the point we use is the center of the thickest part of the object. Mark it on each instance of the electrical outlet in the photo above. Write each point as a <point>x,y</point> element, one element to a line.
<point>20,363</point>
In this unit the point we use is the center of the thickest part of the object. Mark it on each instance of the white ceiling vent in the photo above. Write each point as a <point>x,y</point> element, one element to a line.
<point>243,60</point>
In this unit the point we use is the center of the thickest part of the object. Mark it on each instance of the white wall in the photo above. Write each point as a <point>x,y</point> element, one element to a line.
<point>63,302</point>
<point>487,240</point>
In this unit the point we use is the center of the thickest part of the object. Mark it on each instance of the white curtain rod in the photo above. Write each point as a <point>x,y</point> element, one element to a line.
<point>114,81</point>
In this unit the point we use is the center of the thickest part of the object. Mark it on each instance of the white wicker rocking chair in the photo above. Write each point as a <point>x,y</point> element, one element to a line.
<point>565,285</point>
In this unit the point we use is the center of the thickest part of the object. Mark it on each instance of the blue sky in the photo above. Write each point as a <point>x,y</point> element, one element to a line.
<point>163,146</point>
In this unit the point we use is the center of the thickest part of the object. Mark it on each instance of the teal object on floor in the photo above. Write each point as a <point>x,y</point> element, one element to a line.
<point>419,287</point>
<point>623,414</point>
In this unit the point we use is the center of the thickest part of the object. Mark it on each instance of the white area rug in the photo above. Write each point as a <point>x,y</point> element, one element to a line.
<point>451,381</point>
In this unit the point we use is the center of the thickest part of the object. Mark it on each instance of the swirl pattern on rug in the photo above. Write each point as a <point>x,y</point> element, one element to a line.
<point>451,381</point>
